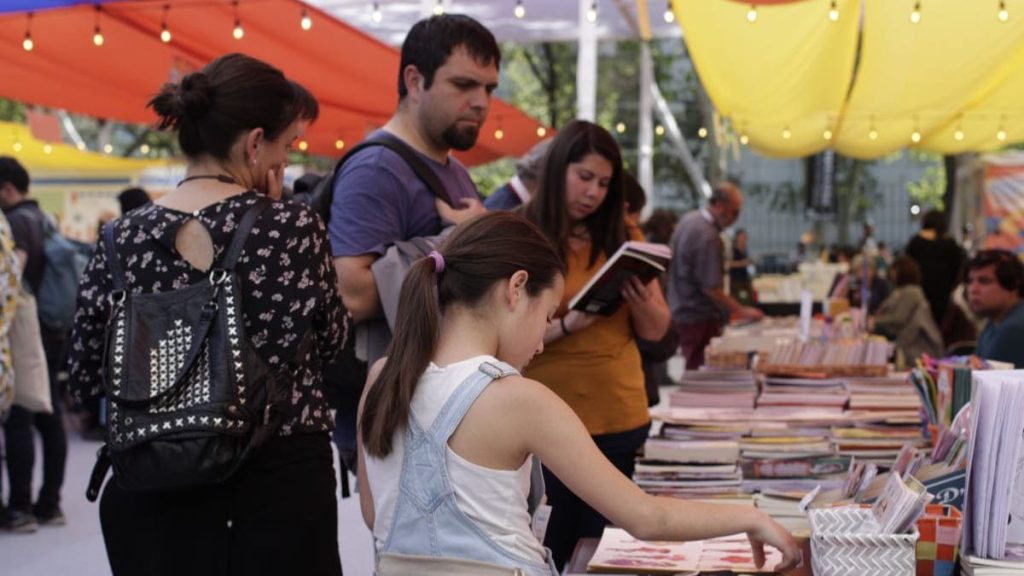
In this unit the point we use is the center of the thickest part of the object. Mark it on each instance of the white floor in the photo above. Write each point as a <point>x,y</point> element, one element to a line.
<point>78,547</point>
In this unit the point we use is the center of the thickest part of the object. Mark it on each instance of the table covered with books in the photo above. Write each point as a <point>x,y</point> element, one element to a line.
<point>868,466</point>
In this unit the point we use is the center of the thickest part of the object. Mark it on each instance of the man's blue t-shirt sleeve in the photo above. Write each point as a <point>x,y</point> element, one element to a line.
<point>366,211</point>
<point>1008,346</point>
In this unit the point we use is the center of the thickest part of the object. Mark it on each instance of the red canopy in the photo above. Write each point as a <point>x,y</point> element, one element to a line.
<point>352,75</point>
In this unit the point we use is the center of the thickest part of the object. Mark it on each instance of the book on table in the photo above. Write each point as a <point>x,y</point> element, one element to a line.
<point>602,294</point>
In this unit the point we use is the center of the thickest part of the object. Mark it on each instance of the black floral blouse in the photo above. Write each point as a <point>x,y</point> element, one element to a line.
<point>287,285</point>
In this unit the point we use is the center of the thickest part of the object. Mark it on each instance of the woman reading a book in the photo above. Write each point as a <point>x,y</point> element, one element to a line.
<point>448,426</point>
<point>592,362</point>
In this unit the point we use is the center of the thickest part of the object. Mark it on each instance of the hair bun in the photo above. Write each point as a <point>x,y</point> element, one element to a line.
<point>194,92</point>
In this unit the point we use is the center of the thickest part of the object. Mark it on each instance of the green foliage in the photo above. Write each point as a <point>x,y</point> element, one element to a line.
<point>11,111</point>
<point>489,177</point>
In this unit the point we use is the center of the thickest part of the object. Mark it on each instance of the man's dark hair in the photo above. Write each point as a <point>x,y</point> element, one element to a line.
<point>1008,267</point>
<point>633,193</point>
<point>132,198</point>
<point>12,171</point>
<point>905,272</point>
<point>934,220</point>
<point>431,41</point>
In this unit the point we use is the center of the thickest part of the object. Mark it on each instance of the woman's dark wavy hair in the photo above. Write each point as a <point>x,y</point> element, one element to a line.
<point>230,95</point>
<point>547,209</point>
<point>478,255</point>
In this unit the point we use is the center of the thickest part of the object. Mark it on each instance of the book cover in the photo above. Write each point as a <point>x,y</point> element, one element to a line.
<point>602,293</point>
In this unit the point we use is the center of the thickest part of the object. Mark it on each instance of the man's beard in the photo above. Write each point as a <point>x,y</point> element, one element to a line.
<point>461,140</point>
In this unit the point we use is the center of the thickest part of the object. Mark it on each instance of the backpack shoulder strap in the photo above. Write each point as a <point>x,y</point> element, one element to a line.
<point>242,233</point>
<point>424,172</point>
<point>116,273</point>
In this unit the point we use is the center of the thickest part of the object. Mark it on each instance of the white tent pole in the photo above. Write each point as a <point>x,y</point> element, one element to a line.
<point>586,64</point>
<point>675,137</point>
<point>645,151</point>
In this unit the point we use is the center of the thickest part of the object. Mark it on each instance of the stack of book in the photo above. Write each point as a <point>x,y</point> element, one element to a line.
<point>824,393</point>
<point>859,357</point>
<point>893,392</point>
<point>715,389</point>
<point>689,468</point>
<point>993,526</point>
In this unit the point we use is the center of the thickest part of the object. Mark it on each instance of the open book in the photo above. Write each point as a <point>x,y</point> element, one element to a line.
<point>602,294</point>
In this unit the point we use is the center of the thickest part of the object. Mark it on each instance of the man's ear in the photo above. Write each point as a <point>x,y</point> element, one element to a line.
<point>414,81</point>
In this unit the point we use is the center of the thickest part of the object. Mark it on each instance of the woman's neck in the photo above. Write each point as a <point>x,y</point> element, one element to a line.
<point>207,166</point>
<point>464,335</point>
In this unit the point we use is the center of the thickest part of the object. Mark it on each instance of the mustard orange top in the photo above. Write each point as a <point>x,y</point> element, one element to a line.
<point>597,370</point>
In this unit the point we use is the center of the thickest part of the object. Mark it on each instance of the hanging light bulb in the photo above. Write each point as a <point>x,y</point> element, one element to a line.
<point>959,134</point>
<point>752,14</point>
<point>873,134</point>
<point>303,145</point>
<point>1004,14</point>
<point>17,146</point>
<point>165,33</point>
<point>1001,135</point>
<point>339,144</point>
<point>108,148</point>
<point>833,12</point>
<point>499,134</point>
<point>80,146</point>
<point>47,148</point>
<point>670,15</point>
<point>744,139</point>
<point>592,13</point>
<point>97,34</point>
<point>659,130</point>
<point>915,14</point>
<point>541,131</point>
<point>702,132</point>
<point>305,22</point>
<point>827,134</point>
<point>144,149</point>
<point>520,10</point>
<point>27,43</point>
<point>238,32</point>
<point>786,134</point>
<point>915,136</point>
<point>620,127</point>
<point>376,15</point>
<point>439,8</point>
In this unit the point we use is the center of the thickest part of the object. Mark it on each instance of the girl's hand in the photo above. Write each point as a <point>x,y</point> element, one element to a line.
<point>768,531</point>
<point>635,292</point>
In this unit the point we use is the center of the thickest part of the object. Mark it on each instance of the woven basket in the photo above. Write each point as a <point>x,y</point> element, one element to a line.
<point>842,544</point>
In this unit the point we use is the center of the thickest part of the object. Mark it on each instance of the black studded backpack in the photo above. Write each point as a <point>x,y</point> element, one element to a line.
<point>189,398</point>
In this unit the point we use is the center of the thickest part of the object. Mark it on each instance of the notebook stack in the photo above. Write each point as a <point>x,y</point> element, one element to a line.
<point>715,389</point>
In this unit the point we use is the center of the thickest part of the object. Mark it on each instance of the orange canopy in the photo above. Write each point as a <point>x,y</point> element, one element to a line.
<point>352,75</point>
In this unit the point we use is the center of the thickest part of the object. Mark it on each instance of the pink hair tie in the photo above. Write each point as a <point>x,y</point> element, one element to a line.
<point>438,261</point>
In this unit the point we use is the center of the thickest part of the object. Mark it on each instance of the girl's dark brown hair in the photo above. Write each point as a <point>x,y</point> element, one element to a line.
<point>230,95</point>
<point>547,209</point>
<point>478,255</point>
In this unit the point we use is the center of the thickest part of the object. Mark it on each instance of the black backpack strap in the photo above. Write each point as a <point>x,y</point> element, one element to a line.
<point>424,172</point>
<point>116,273</point>
<point>242,233</point>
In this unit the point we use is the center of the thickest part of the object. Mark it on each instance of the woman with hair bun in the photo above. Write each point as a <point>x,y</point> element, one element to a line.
<point>276,514</point>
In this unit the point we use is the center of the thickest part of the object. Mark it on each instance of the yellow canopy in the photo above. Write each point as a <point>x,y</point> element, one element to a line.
<point>868,82</point>
<point>36,156</point>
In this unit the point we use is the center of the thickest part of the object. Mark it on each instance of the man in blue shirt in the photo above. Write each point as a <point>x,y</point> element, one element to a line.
<point>449,69</point>
<point>995,279</point>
